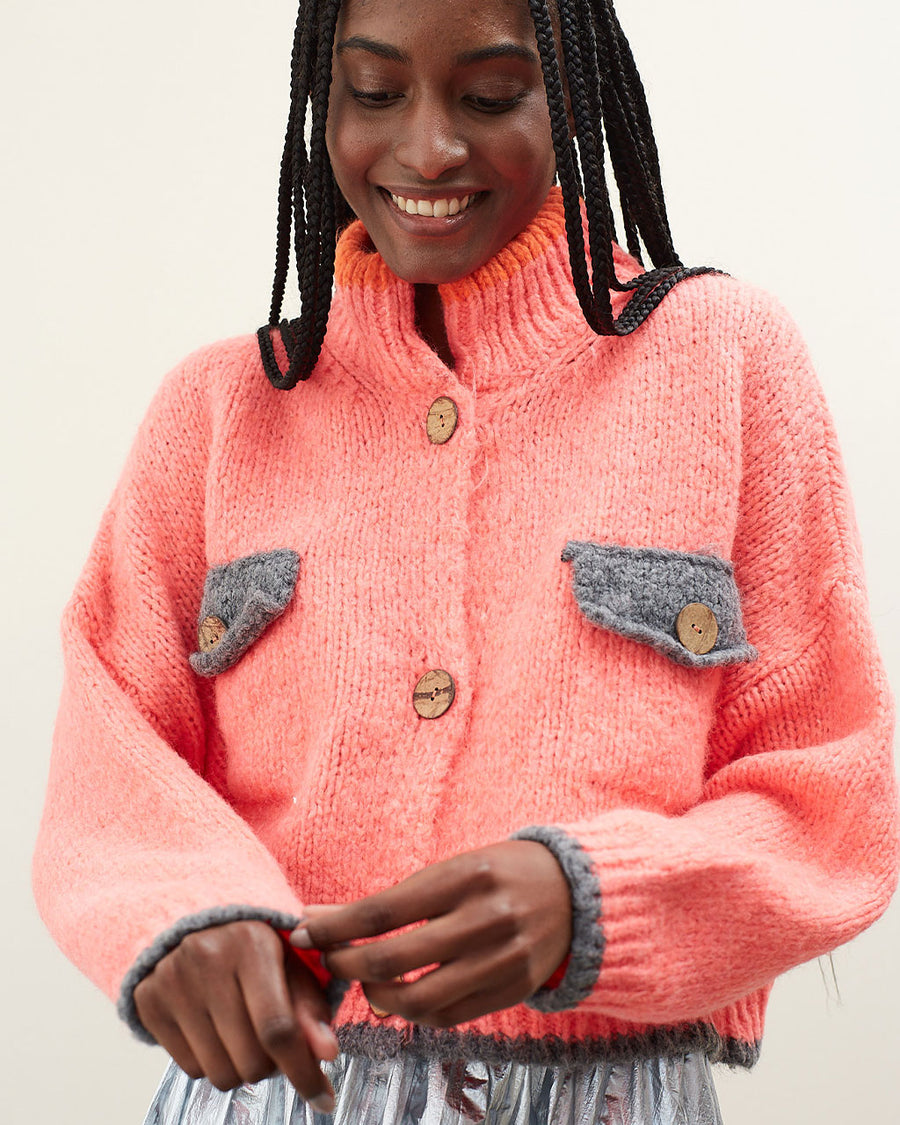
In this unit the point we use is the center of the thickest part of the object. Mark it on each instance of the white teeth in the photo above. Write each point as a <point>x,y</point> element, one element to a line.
<point>432,208</point>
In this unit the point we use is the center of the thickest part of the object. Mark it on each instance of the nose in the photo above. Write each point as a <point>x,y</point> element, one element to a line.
<point>429,142</point>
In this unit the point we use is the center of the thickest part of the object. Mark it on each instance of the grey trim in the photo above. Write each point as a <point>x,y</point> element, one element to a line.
<point>639,592</point>
<point>376,1041</point>
<point>247,595</point>
<point>189,924</point>
<point>588,942</point>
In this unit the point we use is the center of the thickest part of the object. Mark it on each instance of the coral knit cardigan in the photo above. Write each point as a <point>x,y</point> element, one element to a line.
<point>721,815</point>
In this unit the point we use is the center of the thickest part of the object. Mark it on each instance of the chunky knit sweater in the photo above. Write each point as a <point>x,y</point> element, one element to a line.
<point>717,788</point>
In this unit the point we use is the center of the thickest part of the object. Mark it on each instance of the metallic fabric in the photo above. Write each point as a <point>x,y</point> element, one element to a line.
<point>416,1091</point>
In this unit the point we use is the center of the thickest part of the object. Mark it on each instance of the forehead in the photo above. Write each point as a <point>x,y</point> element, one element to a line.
<point>441,25</point>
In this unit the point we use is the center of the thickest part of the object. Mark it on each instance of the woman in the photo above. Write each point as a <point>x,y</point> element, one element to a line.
<point>500,631</point>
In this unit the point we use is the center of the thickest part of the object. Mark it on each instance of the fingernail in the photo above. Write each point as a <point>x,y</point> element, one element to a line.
<point>324,1103</point>
<point>300,939</point>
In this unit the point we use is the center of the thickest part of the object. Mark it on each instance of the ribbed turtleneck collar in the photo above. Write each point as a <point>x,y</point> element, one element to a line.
<point>512,320</point>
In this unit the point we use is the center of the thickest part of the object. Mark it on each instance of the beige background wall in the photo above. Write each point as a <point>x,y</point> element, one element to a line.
<point>140,147</point>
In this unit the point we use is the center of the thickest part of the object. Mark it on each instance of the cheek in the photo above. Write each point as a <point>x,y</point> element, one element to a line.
<point>350,149</point>
<point>526,153</point>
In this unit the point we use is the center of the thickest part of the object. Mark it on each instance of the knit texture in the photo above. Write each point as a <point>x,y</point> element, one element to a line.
<point>738,817</point>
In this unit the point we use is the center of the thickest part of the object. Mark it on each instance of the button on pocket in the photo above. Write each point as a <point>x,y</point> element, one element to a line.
<point>240,600</point>
<point>684,605</point>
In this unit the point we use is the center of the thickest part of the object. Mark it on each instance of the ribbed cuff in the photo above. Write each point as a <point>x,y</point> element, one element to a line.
<point>586,951</point>
<point>189,924</point>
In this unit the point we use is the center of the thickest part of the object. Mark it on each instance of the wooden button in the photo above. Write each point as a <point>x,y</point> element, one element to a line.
<point>212,630</point>
<point>697,628</point>
<point>441,421</point>
<point>434,693</point>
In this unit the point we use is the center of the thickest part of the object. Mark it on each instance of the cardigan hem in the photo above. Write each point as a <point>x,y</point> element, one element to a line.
<point>375,1041</point>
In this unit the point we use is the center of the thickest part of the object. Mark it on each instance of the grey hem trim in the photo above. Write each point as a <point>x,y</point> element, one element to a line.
<point>189,924</point>
<point>588,941</point>
<point>374,1041</point>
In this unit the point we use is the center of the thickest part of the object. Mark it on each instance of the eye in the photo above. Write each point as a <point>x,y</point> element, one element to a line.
<point>494,105</point>
<point>374,98</point>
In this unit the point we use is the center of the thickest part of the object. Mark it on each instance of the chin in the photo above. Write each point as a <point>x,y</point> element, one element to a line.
<point>430,273</point>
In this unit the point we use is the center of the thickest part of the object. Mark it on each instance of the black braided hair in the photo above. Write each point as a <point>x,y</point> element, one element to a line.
<point>611,122</point>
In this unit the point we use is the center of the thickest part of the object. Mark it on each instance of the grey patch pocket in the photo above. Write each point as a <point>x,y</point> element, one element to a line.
<point>639,592</point>
<point>240,600</point>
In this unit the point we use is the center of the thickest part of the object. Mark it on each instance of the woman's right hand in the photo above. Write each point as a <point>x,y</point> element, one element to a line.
<point>232,1004</point>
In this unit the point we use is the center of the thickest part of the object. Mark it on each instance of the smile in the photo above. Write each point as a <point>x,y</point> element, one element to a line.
<point>431,208</point>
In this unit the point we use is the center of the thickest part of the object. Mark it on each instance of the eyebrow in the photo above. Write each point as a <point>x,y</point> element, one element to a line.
<point>467,58</point>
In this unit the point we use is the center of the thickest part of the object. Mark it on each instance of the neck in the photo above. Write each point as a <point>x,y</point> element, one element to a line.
<point>430,322</point>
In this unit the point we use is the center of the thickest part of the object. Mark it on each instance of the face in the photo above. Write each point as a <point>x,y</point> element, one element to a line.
<point>438,129</point>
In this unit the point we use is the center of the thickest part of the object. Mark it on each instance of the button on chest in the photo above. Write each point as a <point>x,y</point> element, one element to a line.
<point>434,694</point>
<point>441,421</point>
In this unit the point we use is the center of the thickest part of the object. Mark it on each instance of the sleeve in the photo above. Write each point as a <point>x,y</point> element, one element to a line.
<point>135,848</point>
<point>792,849</point>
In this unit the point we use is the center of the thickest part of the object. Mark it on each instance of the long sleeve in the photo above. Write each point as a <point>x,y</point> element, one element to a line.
<point>136,848</point>
<point>792,849</point>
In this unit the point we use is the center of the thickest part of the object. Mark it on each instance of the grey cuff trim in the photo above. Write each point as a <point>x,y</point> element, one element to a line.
<point>189,924</point>
<point>588,942</point>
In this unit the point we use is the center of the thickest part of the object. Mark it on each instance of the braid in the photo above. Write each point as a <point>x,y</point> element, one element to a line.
<point>607,102</point>
<point>598,313</point>
<point>611,123</point>
<point>307,202</point>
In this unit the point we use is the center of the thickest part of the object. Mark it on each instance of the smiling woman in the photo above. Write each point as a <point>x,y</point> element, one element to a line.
<point>505,714</point>
<point>591,89</point>
<point>453,124</point>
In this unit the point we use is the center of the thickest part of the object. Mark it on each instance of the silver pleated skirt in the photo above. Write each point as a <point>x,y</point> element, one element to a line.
<point>415,1091</point>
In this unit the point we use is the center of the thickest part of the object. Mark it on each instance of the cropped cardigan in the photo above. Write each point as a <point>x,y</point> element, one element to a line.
<point>723,805</point>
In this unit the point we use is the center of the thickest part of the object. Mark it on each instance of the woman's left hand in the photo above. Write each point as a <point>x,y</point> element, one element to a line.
<point>494,925</point>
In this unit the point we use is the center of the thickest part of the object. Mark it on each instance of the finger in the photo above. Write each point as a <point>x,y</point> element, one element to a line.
<point>264,977</point>
<point>168,1035</point>
<point>231,1019</point>
<point>177,1015</point>
<point>502,974</point>
<point>449,937</point>
<point>317,1040</point>
<point>318,909</point>
<point>427,894</point>
<point>476,1005</point>
<point>312,1011</point>
<point>206,1045</point>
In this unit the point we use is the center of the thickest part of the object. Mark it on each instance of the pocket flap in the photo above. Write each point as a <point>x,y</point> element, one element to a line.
<point>684,605</point>
<point>240,600</point>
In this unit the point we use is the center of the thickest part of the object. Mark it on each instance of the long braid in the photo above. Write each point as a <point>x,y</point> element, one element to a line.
<point>607,98</point>
<point>611,120</point>
<point>597,311</point>
<point>307,202</point>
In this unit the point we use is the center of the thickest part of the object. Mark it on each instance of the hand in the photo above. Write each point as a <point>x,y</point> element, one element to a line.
<point>232,1004</point>
<point>497,923</point>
